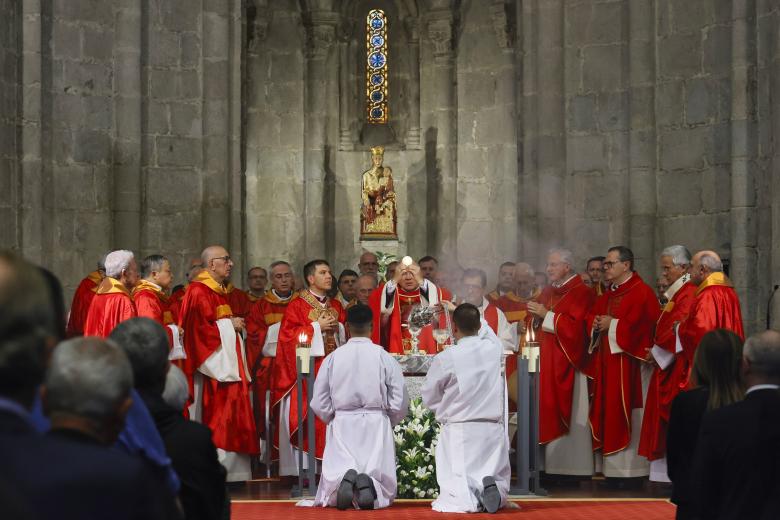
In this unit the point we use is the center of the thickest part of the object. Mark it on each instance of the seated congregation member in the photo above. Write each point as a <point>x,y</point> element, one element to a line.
<point>360,394</point>
<point>113,300</point>
<point>715,376</point>
<point>465,390</point>
<point>187,443</point>
<point>86,396</point>
<point>737,462</point>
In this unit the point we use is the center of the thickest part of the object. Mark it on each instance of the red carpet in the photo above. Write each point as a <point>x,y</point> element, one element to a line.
<point>413,510</point>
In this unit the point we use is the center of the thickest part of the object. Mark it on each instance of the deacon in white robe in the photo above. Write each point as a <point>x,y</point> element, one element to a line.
<point>360,393</point>
<point>465,389</point>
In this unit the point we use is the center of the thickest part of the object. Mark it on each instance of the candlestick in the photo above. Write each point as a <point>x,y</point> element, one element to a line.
<point>303,352</point>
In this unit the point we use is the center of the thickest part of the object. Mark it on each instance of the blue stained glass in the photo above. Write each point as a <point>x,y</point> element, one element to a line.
<point>376,96</point>
<point>376,60</point>
<point>377,23</point>
<point>376,113</point>
<point>377,79</point>
<point>377,41</point>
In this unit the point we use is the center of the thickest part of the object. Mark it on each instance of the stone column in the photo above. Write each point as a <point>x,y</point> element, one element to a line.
<point>526,59</point>
<point>346,108</point>
<point>642,137</point>
<point>128,152</point>
<point>412,140</point>
<point>320,77</point>
<point>443,232</point>
<point>744,254</point>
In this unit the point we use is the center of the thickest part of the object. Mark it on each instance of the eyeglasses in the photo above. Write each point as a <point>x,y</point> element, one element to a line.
<point>223,258</point>
<point>608,265</point>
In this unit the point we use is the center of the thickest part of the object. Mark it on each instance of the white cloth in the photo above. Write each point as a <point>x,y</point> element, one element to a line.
<point>288,454</point>
<point>464,388</point>
<point>177,349</point>
<point>506,332</point>
<point>360,393</point>
<point>271,338</point>
<point>572,454</point>
<point>386,304</point>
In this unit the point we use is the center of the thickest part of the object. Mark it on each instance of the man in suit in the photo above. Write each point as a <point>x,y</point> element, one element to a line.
<point>188,443</point>
<point>59,476</point>
<point>736,463</point>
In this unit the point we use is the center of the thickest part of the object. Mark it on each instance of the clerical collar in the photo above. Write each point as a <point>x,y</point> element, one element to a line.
<point>672,290</point>
<point>558,285</point>
<point>615,287</point>
<point>321,299</point>
<point>762,387</point>
<point>283,298</point>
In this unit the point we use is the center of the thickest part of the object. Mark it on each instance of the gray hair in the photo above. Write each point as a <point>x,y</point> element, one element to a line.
<point>679,254</point>
<point>567,257</point>
<point>145,343</point>
<point>88,377</point>
<point>763,352</point>
<point>712,263</point>
<point>278,263</point>
<point>152,263</point>
<point>118,261</point>
<point>177,390</point>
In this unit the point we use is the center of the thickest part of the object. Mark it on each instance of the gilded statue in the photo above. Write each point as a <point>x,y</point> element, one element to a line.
<point>378,211</point>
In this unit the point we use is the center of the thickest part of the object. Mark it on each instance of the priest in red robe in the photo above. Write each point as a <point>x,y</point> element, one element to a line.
<point>670,374</point>
<point>623,320</point>
<point>238,300</point>
<point>561,311</point>
<point>716,305</point>
<point>113,301</point>
<point>392,302</point>
<point>319,319</point>
<point>216,367</point>
<point>506,282</point>
<point>262,328</point>
<point>196,266</point>
<point>152,301</point>
<point>474,283</point>
<point>82,298</point>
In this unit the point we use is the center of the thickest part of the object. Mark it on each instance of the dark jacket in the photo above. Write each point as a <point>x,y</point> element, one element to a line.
<point>737,462</point>
<point>194,458</point>
<point>681,437</point>
<point>67,475</point>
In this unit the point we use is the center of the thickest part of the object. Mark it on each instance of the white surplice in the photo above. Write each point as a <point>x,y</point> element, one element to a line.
<point>466,391</point>
<point>360,393</point>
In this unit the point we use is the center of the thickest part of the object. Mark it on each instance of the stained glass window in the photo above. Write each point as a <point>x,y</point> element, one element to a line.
<point>376,66</point>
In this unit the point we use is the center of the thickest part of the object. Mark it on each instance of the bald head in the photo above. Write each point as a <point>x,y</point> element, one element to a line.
<point>703,264</point>
<point>216,260</point>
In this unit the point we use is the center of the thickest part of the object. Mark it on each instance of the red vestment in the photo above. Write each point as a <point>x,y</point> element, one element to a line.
<point>111,305</point>
<point>175,300</point>
<point>392,336</point>
<point>226,407</point>
<point>716,307</point>
<point>238,301</point>
<point>82,298</point>
<point>263,313</point>
<point>562,354</point>
<point>665,384</point>
<point>493,296</point>
<point>515,308</point>
<point>297,320</point>
<point>151,302</point>
<point>617,382</point>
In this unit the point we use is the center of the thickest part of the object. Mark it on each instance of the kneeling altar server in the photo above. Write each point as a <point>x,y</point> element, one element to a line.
<point>359,392</point>
<point>465,389</point>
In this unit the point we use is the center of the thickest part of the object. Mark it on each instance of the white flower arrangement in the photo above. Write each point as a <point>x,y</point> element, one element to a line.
<point>415,442</point>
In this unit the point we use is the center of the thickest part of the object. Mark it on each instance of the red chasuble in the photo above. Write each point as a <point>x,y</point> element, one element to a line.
<point>226,406</point>
<point>392,336</point>
<point>665,384</point>
<point>175,301</point>
<point>151,302</point>
<point>111,306</point>
<point>82,298</point>
<point>298,318</point>
<point>562,354</point>
<point>716,307</point>
<point>617,383</point>
<point>238,300</point>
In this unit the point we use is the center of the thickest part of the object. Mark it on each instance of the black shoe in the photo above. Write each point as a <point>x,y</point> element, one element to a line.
<point>365,491</point>
<point>491,498</point>
<point>346,490</point>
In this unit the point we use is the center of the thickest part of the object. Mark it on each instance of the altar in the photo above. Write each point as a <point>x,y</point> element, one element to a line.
<point>415,368</point>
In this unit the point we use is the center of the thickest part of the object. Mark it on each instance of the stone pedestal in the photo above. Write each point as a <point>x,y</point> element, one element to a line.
<point>392,247</point>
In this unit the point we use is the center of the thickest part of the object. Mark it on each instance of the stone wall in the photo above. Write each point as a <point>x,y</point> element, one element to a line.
<point>9,62</point>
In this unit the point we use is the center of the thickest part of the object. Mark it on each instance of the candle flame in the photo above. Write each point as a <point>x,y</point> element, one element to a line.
<point>302,338</point>
<point>527,335</point>
<point>533,336</point>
